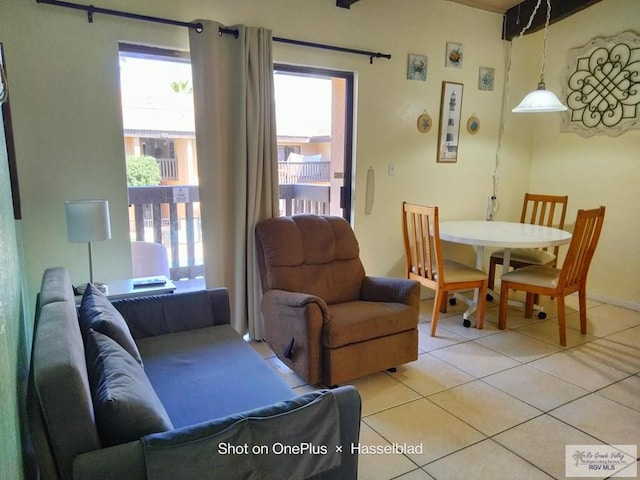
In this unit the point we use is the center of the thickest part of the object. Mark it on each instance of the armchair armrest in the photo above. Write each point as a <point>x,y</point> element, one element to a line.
<point>389,289</point>
<point>293,325</point>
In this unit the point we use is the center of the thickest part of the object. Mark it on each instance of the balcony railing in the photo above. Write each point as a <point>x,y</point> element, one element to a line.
<point>304,172</point>
<point>168,168</point>
<point>300,198</point>
<point>157,215</point>
<point>170,215</point>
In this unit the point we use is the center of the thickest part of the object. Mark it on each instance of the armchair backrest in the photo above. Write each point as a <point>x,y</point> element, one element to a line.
<point>312,254</point>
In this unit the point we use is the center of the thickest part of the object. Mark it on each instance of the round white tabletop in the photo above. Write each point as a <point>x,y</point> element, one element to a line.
<point>502,234</point>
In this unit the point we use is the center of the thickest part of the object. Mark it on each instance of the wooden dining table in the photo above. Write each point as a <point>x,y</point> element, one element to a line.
<point>506,235</point>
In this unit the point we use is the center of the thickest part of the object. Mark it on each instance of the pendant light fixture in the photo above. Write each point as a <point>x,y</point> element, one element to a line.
<point>541,99</point>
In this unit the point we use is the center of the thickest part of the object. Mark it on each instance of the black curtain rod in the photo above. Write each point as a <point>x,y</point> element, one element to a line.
<point>371,55</point>
<point>198,27</point>
<point>91,9</point>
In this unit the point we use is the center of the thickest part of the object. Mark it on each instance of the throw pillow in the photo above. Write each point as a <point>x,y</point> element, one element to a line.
<point>125,405</point>
<point>97,313</point>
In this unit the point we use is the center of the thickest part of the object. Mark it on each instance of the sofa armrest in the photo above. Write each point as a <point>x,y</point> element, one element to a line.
<point>199,445</point>
<point>293,326</point>
<point>113,463</point>
<point>163,314</point>
<point>390,289</point>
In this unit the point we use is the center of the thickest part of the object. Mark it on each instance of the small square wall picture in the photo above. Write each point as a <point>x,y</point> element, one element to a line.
<point>454,55</point>
<point>416,67</point>
<point>486,78</point>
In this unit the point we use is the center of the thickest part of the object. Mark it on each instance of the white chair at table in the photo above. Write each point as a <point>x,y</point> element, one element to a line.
<point>149,259</point>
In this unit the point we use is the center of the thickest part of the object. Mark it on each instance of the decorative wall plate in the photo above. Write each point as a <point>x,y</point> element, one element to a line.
<point>424,123</point>
<point>602,87</point>
<point>473,125</point>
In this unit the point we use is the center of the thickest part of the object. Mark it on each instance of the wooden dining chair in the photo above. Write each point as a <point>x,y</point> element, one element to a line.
<point>555,282</point>
<point>547,210</point>
<point>423,252</point>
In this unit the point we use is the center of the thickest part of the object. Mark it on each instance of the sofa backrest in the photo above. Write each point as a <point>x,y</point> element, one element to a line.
<point>61,418</point>
<point>312,254</point>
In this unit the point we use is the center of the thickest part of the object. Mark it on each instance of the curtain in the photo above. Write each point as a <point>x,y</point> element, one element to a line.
<point>237,153</point>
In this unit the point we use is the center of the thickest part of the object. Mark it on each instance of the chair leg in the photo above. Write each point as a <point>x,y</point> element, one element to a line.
<point>492,274</point>
<point>443,303</point>
<point>482,306</point>
<point>582,302</point>
<point>504,302</point>
<point>528,305</point>
<point>440,295</point>
<point>562,321</point>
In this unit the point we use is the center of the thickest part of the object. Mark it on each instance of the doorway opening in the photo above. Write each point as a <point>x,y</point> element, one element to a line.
<point>314,116</point>
<point>160,149</point>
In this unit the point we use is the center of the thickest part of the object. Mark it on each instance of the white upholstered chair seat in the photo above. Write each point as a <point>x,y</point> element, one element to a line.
<point>533,256</point>
<point>455,272</point>
<point>541,276</point>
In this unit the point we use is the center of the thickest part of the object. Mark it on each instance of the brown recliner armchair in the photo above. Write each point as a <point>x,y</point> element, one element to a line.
<point>324,317</point>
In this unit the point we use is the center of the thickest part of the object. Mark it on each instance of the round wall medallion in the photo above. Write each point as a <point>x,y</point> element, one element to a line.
<point>473,125</point>
<point>424,123</point>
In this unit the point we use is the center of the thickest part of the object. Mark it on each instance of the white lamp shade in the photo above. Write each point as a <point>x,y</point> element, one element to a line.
<point>88,220</point>
<point>540,100</point>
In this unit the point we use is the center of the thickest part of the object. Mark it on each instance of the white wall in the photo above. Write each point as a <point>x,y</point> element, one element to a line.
<point>599,170</point>
<point>68,128</point>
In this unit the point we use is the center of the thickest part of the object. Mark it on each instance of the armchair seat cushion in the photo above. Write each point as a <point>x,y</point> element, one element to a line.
<point>358,321</point>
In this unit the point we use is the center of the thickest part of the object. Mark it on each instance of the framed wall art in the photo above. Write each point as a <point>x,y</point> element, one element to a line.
<point>473,125</point>
<point>416,67</point>
<point>486,78</point>
<point>601,86</point>
<point>453,55</point>
<point>424,123</point>
<point>449,130</point>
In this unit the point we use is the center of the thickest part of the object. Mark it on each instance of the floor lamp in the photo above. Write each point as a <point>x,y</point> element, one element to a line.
<point>88,221</point>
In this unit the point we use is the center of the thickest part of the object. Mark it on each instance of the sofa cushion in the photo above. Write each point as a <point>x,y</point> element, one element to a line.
<point>97,313</point>
<point>125,404</point>
<point>208,373</point>
<point>352,322</point>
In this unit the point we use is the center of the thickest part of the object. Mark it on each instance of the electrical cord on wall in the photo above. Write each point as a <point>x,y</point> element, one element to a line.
<point>493,205</point>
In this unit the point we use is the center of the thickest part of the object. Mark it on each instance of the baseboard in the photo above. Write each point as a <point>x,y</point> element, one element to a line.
<point>427,294</point>
<point>614,301</point>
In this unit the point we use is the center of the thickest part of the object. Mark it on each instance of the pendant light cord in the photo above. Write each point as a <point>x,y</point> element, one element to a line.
<point>505,96</point>
<point>546,30</point>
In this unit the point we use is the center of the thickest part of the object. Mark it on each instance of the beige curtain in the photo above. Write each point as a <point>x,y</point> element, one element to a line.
<point>237,159</point>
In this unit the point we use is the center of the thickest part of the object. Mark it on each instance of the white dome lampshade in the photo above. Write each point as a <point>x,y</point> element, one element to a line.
<point>540,100</point>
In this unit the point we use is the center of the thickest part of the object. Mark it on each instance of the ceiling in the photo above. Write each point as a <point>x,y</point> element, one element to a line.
<point>514,10</point>
<point>498,6</point>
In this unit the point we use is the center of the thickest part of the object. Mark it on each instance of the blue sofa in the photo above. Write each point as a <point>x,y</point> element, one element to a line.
<point>176,393</point>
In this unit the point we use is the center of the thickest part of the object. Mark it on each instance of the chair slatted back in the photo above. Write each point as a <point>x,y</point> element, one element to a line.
<point>422,243</point>
<point>581,249</point>
<point>546,210</point>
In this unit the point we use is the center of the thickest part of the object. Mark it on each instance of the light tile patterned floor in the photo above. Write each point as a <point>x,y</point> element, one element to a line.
<point>495,404</point>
